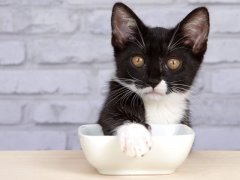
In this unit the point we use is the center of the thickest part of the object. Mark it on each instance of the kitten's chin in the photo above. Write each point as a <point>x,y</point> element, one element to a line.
<point>153,96</point>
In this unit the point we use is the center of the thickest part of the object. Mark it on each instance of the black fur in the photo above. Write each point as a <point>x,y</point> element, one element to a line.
<point>118,107</point>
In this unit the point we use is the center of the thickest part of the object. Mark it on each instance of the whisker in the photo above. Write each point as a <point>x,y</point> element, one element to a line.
<point>177,80</point>
<point>179,89</point>
<point>140,34</point>
<point>136,80</point>
<point>173,36</point>
<point>179,41</point>
<point>178,48</point>
<point>137,43</point>
<point>133,100</point>
<point>174,84</point>
<point>125,97</point>
<point>116,94</point>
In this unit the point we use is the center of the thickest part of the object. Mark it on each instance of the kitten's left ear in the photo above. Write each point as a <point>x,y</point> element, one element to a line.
<point>125,25</point>
<point>194,29</point>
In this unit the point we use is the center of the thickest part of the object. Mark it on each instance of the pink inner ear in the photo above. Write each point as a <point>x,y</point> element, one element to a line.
<point>123,26</point>
<point>122,30</point>
<point>196,31</point>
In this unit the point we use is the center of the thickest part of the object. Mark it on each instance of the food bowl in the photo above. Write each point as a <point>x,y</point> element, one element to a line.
<point>171,145</point>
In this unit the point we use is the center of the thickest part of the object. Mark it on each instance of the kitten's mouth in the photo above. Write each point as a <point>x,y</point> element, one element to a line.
<point>154,93</point>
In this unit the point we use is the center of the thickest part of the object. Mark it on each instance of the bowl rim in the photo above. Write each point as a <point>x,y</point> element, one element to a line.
<point>191,131</point>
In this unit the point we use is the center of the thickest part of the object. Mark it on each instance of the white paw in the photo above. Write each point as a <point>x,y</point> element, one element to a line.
<point>135,139</point>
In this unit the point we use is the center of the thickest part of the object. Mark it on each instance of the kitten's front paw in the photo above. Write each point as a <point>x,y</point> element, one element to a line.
<point>135,139</point>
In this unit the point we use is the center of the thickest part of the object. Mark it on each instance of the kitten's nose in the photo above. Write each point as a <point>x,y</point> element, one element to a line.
<point>153,82</point>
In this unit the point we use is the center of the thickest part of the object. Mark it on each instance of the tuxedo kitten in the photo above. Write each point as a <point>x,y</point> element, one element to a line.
<point>155,68</point>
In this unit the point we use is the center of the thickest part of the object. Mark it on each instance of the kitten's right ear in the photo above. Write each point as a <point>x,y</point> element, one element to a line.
<point>125,24</point>
<point>194,29</point>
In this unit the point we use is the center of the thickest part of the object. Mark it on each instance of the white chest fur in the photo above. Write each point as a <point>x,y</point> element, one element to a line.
<point>170,109</point>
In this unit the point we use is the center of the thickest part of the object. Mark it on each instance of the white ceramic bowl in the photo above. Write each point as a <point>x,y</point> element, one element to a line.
<point>171,145</point>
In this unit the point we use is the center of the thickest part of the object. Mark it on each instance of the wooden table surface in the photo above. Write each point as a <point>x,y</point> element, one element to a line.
<point>72,165</point>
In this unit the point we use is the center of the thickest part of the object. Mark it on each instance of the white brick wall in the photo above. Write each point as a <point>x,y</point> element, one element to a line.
<point>76,49</point>
<point>11,112</point>
<point>32,140</point>
<point>9,58</point>
<point>55,59</point>
<point>44,81</point>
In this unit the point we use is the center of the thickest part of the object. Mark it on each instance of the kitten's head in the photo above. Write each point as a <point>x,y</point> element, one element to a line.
<point>155,62</point>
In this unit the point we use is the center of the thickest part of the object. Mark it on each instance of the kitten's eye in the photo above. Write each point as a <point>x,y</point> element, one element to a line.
<point>174,64</point>
<point>137,61</point>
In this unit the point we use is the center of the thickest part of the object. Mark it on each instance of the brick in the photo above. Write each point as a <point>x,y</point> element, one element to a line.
<point>32,140</point>
<point>167,18</point>
<point>6,20</point>
<point>227,22</point>
<point>38,3</point>
<point>73,140</point>
<point>198,84</point>
<point>72,50</point>
<point>229,49</point>
<point>11,112</point>
<point>52,20</point>
<point>14,20</point>
<point>49,21</point>
<point>35,21</point>
<point>103,78</point>
<point>63,112</point>
<point>107,3</point>
<point>213,1</point>
<point>4,2</point>
<point>224,81</point>
<point>30,2</point>
<point>44,81</point>
<point>96,107</point>
<point>217,138</point>
<point>7,57</point>
<point>210,111</point>
<point>98,22</point>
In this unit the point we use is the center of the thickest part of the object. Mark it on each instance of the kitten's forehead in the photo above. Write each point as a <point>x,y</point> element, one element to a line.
<point>158,39</point>
<point>159,32</point>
